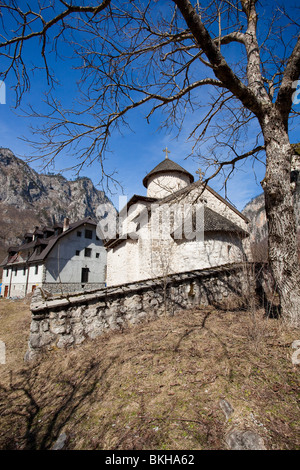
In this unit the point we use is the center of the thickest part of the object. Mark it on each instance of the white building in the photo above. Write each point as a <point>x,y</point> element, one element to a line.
<point>180,226</point>
<point>61,259</point>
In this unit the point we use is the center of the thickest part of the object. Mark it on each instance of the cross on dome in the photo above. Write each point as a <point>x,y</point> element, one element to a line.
<point>167,151</point>
<point>200,173</point>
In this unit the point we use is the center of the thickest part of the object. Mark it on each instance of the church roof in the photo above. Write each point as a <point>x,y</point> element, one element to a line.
<point>136,198</point>
<point>167,166</point>
<point>213,222</point>
<point>184,191</point>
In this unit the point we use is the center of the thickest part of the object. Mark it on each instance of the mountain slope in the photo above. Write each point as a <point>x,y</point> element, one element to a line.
<point>28,199</point>
<point>255,212</point>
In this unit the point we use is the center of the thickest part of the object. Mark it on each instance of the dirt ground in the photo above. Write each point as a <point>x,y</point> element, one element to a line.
<point>155,386</point>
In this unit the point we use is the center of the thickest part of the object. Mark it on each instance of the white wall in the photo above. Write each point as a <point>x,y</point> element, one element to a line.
<point>136,211</point>
<point>163,185</point>
<point>149,257</point>
<point>123,263</point>
<point>20,278</point>
<point>35,279</point>
<point>143,259</point>
<point>63,259</point>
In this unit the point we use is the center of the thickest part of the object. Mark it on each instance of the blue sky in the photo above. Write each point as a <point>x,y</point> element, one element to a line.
<point>132,154</point>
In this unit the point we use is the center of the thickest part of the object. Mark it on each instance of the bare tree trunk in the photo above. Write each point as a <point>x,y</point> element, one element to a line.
<point>282,228</point>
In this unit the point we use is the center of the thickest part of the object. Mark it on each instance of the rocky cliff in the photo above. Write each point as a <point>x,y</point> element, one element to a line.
<point>255,212</point>
<point>255,209</point>
<point>28,199</point>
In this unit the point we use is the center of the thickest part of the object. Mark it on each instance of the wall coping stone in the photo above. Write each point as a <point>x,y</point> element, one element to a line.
<point>41,303</point>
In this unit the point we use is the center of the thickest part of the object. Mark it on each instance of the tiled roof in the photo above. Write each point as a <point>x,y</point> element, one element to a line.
<point>48,243</point>
<point>178,195</point>
<point>213,222</point>
<point>135,198</point>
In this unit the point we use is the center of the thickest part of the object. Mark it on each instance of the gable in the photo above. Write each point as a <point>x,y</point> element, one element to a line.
<point>199,192</point>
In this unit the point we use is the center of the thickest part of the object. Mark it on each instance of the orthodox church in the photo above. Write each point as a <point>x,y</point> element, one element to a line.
<point>181,225</point>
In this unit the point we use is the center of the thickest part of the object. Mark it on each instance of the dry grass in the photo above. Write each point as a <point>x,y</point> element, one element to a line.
<point>15,320</point>
<point>153,386</point>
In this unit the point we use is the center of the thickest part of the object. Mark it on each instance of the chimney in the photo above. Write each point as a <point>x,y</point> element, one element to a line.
<point>66,224</point>
<point>34,234</point>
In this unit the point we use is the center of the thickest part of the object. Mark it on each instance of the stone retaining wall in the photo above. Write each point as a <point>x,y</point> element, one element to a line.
<point>68,320</point>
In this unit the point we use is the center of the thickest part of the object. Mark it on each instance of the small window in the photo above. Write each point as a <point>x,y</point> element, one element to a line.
<point>97,255</point>
<point>88,234</point>
<point>78,234</point>
<point>77,252</point>
<point>16,271</point>
<point>7,271</point>
<point>24,271</point>
<point>36,270</point>
<point>88,252</point>
<point>85,275</point>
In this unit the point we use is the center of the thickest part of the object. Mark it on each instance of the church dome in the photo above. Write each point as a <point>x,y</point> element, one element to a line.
<point>166,178</point>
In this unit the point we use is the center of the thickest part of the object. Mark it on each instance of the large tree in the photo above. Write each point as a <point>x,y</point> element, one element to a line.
<point>160,55</point>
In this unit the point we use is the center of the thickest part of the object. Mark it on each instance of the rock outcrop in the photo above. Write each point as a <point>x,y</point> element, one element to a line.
<point>28,199</point>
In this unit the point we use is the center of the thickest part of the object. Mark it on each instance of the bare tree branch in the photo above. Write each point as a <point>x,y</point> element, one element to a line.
<point>220,67</point>
<point>291,74</point>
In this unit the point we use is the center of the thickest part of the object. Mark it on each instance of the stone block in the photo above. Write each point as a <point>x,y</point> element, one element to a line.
<point>244,440</point>
<point>57,328</point>
<point>46,339</point>
<point>35,340</point>
<point>64,341</point>
<point>133,302</point>
<point>35,326</point>
<point>45,325</point>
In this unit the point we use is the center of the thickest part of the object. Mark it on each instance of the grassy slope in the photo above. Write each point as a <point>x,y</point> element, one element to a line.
<point>154,386</point>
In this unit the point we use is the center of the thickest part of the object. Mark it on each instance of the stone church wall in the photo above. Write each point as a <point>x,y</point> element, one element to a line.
<point>217,205</point>
<point>166,184</point>
<point>151,254</point>
<point>148,257</point>
<point>59,322</point>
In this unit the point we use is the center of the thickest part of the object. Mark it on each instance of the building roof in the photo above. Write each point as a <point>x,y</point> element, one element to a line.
<point>184,191</point>
<point>136,198</point>
<point>212,222</point>
<point>46,243</point>
<point>167,166</point>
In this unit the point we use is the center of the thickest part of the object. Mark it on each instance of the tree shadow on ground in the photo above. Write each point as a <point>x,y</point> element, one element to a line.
<point>34,415</point>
